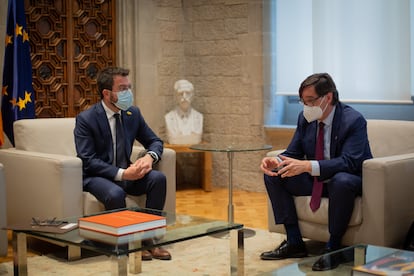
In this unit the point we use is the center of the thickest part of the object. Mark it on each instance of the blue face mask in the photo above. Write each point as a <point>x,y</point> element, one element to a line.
<point>125,99</point>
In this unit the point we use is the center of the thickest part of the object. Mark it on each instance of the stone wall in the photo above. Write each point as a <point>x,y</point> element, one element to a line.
<point>217,45</point>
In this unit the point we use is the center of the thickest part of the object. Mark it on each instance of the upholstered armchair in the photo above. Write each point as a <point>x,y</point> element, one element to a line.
<point>44,176</point>
<point>384,213</point>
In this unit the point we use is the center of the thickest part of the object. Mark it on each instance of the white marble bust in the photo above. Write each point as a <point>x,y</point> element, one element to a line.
<point>184,123</point>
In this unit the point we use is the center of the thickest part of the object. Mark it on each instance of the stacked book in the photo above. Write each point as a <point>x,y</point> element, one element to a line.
<point>119,227</point>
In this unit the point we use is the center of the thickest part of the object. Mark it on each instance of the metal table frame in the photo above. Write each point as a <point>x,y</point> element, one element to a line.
<point>230,150</point>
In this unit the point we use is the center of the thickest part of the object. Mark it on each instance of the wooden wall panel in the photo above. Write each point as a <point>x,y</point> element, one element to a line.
<point>70,42</point>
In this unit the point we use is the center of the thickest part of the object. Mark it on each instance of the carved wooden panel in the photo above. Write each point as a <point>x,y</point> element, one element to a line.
<point>70,40</point>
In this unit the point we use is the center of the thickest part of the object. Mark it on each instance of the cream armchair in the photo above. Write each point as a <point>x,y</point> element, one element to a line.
<point>44,176</point>
<point>384,213</point>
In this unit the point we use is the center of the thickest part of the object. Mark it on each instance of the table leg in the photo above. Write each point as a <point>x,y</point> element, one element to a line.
<point>360,253</point>
<point>19,243</point>
<point>74,252</point>
<point>247,232</point>
<point>230,210</point>
<point>119,265</point>
<point>237,252</point>
<point>135,260</point>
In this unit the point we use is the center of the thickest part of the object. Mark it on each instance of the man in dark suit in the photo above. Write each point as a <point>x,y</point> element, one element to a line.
<point>339,171</point>
<point>108,172</point>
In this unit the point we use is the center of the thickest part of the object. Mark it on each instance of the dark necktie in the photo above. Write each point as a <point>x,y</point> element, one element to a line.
<point>317,185</point>
<point>121,159</point>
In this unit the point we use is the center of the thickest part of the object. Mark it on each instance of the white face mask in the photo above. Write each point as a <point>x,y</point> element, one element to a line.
<point>125,99</point>
<point>312,113</point>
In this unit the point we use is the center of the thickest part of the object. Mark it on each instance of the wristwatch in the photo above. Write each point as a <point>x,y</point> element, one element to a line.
<point>154,156</point>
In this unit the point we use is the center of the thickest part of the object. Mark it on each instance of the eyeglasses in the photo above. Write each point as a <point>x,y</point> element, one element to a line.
<point>46,222</point>
<point>121,88</point>
<point>310,102</point>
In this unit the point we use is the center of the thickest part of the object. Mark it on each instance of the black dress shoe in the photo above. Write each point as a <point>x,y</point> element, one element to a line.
<point>326,250</point>
<point>330,260</point>
<point>286,250</point>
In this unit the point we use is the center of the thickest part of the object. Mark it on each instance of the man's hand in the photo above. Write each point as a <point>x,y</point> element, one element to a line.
<point>287,168</point>
<point>269,166</point>
<point>138,169</point>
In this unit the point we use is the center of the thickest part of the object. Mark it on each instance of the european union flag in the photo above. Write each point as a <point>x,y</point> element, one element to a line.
<point>17,92</point>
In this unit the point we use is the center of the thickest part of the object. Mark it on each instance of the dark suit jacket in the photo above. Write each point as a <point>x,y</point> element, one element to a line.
<point>93,139</point>
<point>349,142</point>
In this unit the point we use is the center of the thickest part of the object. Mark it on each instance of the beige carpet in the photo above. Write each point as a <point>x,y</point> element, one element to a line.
<point>202,256</point>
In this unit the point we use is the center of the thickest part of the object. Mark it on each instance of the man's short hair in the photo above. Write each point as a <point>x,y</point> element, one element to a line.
<point>105,79</point>
<point>323,84</point>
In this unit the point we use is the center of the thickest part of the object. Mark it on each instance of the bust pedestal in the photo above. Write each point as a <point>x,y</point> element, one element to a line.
<point>207,162</point>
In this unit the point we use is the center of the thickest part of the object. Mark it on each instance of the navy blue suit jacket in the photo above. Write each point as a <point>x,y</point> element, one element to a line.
<point>349,142</point>
<point>94,143</point>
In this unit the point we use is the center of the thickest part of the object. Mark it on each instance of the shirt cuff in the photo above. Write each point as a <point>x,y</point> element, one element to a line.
<point>316,171</point>
<point>118,176</point>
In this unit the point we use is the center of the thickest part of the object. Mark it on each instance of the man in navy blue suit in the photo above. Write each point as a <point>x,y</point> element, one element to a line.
<point>345,148</point>
<point>107,178</point>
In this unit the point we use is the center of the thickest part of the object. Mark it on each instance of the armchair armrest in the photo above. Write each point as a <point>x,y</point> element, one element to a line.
<point>274,153</point>
<point>167,166</point>
<point>387,198</point>
<point>41,185</point>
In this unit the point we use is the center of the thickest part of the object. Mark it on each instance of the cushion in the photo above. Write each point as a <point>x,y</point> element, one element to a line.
<point>390,137</point>
<point>48,135</point>
<point>321,215</point>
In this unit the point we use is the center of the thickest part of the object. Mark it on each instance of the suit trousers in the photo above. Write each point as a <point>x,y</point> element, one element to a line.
<point>112,193</point>
<point>341,189</point>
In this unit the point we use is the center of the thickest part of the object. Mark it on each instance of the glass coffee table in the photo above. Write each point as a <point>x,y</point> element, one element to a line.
<point>127,249</point>
<point>352,256</point>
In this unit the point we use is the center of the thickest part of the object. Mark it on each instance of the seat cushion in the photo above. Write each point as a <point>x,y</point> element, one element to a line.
<point>321,215</point>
